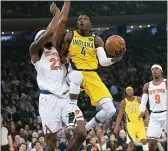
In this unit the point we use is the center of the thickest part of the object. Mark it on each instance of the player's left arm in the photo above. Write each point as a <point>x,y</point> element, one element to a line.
<point>101,54</point>
<point>60,30</point>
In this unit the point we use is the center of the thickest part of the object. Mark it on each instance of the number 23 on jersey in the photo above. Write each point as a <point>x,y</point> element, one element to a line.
<point>54,62</point>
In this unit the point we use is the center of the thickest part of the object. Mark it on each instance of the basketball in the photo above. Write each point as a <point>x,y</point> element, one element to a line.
<point>114,45</point>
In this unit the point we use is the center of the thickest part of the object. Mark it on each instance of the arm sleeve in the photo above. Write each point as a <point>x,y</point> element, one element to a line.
<point>143,102</point>
<point>103,60</point>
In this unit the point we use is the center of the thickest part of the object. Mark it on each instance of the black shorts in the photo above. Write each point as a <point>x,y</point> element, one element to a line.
<point>5,148</point>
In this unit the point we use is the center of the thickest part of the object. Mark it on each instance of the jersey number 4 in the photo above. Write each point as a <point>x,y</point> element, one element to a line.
<point>83,52</point>
<point>53,65</point>
<point>157,98</point>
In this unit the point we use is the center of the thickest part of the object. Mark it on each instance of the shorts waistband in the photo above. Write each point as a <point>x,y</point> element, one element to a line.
<point>45,92</point>
<point>159,111</point>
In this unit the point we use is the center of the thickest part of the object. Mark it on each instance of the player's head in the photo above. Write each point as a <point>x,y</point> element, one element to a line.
<point>38,34</point>
<point>129,91</point>
<point>84,22</point>
<point>156,71</point>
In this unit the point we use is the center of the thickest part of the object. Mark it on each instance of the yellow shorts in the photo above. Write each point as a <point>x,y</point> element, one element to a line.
<point>136,131</point>
<point>94,87</point>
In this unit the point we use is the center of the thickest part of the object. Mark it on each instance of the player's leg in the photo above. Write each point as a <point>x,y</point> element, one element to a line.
<point>99,95</point>
<point>107,111</point>
<point>131,136</point>
<point>153,131</point>
<point>142,136</point>
<point>74,79</point>
<point>50,113</point>
<point>79,133</point>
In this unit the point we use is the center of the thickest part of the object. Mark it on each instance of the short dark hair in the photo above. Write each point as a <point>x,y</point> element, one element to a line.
<point>36,143</point>
<point>22,144</point>
<point>87,14</point>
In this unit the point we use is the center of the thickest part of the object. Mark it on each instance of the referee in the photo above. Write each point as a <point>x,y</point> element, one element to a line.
<point>6,139</point>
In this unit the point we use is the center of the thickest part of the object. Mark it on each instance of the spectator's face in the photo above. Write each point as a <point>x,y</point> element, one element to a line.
<point>27,127</point>
<point>17,138</point>
<point>34,139</point>
<point>22,140</point>
<point>19,123</point>
<point>93,141</point>
<point>156,72</point>
<point>21,131</point>
<point>59,133</point>
<point>13,127</point>
<point>122,134</point>
<point>99,132</point>
<point>112,138</point>
<point>22,147</point>
<point>92,133</point>
<point>41,139</point>
<point>102,140</point>
<point>38,146</point>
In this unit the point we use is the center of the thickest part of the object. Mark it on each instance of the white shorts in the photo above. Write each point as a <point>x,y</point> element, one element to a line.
<point>157,124</point>
<point>53,111</point>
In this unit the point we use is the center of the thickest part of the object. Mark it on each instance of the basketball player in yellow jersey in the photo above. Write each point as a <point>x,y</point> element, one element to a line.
<point>135,127</point>
<point>86,50</point>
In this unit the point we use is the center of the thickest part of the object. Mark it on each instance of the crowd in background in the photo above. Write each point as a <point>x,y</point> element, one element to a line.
<point>102,8</point>
<point>19,90</point>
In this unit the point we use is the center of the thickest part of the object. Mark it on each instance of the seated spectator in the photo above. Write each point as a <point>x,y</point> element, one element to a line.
<point>111,144</point>
<point>121,141</point>
<point>22,147</point>
<point>92,146</point>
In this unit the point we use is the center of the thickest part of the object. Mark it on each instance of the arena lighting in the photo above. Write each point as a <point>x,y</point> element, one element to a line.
<point>12,32</point>
<point>98,28</point>
<point>148,25</point>
<point>67,30</point>
<point>140,26</point>
<point>107,28</point>
<point>132,26</point>
<point>2,33</point>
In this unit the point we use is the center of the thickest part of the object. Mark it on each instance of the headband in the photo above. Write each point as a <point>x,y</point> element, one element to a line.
<point>156,66</point>
<point>38,34</point>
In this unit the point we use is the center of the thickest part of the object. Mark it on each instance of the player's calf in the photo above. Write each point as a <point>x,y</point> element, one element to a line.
<point>50,142</point>
<point>78,137</point>
<point>152,144</point>
<point>108,110</point>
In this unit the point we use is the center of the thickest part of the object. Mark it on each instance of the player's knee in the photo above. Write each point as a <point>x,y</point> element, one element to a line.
<point>109,108</point>
<point>76,77</point>
<point>144,141</point>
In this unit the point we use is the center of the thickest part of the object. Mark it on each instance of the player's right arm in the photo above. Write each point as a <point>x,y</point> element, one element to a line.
<point>120,115</point>
<point>144,100</point>
<point>37,45</point>
<point>65,46</point>
<point>103,60</point>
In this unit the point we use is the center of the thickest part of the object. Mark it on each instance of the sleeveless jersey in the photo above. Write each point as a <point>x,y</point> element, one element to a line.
<point>51,73</point>
<point>84,50</point>
<point>132,110</point>
<point>157,96</point>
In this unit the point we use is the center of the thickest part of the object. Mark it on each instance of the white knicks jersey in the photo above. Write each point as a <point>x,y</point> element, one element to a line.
<point>157,96</point>
<point>51,73</point>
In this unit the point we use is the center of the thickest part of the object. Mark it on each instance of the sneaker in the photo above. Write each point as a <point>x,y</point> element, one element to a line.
<point>71,121</point>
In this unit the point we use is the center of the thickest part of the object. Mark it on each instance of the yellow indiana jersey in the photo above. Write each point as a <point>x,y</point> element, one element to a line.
<point>83,51</point>
<point>132,110</point>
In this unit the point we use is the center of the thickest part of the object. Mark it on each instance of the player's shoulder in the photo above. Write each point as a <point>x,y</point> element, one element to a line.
<point>69,35</point>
